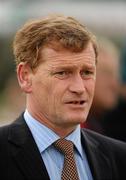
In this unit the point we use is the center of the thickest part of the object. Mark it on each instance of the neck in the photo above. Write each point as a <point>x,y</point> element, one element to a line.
<point>61,129</point>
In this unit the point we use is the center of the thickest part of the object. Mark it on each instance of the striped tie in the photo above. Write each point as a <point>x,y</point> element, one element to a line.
<point>69,171</point>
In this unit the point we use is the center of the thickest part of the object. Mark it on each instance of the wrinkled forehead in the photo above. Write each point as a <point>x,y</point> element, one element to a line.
<point>67,57</point>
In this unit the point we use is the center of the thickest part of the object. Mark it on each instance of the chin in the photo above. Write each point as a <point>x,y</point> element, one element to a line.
<point>76,119</point>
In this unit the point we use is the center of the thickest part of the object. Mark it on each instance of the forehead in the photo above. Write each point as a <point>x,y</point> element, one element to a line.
<point>64,57</point>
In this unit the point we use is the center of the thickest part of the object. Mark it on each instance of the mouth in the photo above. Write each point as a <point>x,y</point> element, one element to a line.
<point>76,102</point>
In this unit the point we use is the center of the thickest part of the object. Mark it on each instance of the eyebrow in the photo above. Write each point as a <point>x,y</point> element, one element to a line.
<point>68,67</point>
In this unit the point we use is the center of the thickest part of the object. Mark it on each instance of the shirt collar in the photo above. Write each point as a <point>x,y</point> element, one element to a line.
<point>75,137</point>
<point>45,137</point>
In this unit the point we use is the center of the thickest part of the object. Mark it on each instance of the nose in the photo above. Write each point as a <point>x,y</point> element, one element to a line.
<point>77,85</point>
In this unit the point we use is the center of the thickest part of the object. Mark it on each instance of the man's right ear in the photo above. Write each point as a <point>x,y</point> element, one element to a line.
<point>24,74</point>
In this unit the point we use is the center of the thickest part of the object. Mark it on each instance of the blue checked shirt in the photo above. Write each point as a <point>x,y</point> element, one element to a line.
<point>53,159</point>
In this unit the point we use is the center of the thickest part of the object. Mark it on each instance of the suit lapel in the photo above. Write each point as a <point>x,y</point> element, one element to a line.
<point>25,152</point>
<point>98,161</point>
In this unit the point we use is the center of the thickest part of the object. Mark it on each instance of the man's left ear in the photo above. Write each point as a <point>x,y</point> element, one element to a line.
<point>24,74</point>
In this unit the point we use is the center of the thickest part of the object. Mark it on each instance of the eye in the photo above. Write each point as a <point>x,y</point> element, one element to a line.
<point>62,74</point>
<point>87,73</point>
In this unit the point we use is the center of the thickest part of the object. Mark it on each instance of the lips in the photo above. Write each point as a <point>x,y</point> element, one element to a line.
<point>81,102</point>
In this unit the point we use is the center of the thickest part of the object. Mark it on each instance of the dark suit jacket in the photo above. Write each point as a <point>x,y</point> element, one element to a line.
<point>20,158</point>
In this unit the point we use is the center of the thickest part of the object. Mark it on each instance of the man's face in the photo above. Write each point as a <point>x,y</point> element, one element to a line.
<point>63,87</point>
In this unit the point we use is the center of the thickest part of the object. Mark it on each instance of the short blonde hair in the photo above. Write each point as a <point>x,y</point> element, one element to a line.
<point>35,34</point>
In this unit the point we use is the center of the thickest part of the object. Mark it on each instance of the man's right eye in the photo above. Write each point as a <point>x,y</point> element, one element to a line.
<point>62,74</point>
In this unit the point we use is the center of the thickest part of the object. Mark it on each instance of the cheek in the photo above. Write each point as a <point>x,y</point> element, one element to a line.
<point>51,92</point>
<point>57,92</point>
<point>91,87</point>
<point>40,88</point>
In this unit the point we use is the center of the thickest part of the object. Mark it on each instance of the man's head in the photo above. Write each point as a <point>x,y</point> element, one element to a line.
<point>108,77</point>
<point>56,68</point>
<point>55,31</point>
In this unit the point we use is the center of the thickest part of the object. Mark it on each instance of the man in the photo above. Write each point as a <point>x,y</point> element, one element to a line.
<point>107,84</point>
<point>56,68</point>
<point>114,121</point>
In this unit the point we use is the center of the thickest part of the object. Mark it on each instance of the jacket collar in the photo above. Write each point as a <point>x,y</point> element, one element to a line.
<point>25,152</point>
<point>97,158</point>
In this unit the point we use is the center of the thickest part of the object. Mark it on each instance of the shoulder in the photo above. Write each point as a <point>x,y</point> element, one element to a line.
<point>106,153</point>
<point>4,132</point>
<point>104,142</point>
<point>5,129</point>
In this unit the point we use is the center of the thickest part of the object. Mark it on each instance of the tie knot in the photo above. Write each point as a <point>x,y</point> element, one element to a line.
<point>64,146</point>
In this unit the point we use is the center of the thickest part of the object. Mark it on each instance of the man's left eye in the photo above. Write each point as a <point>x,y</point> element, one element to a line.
<point>87,73</point>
